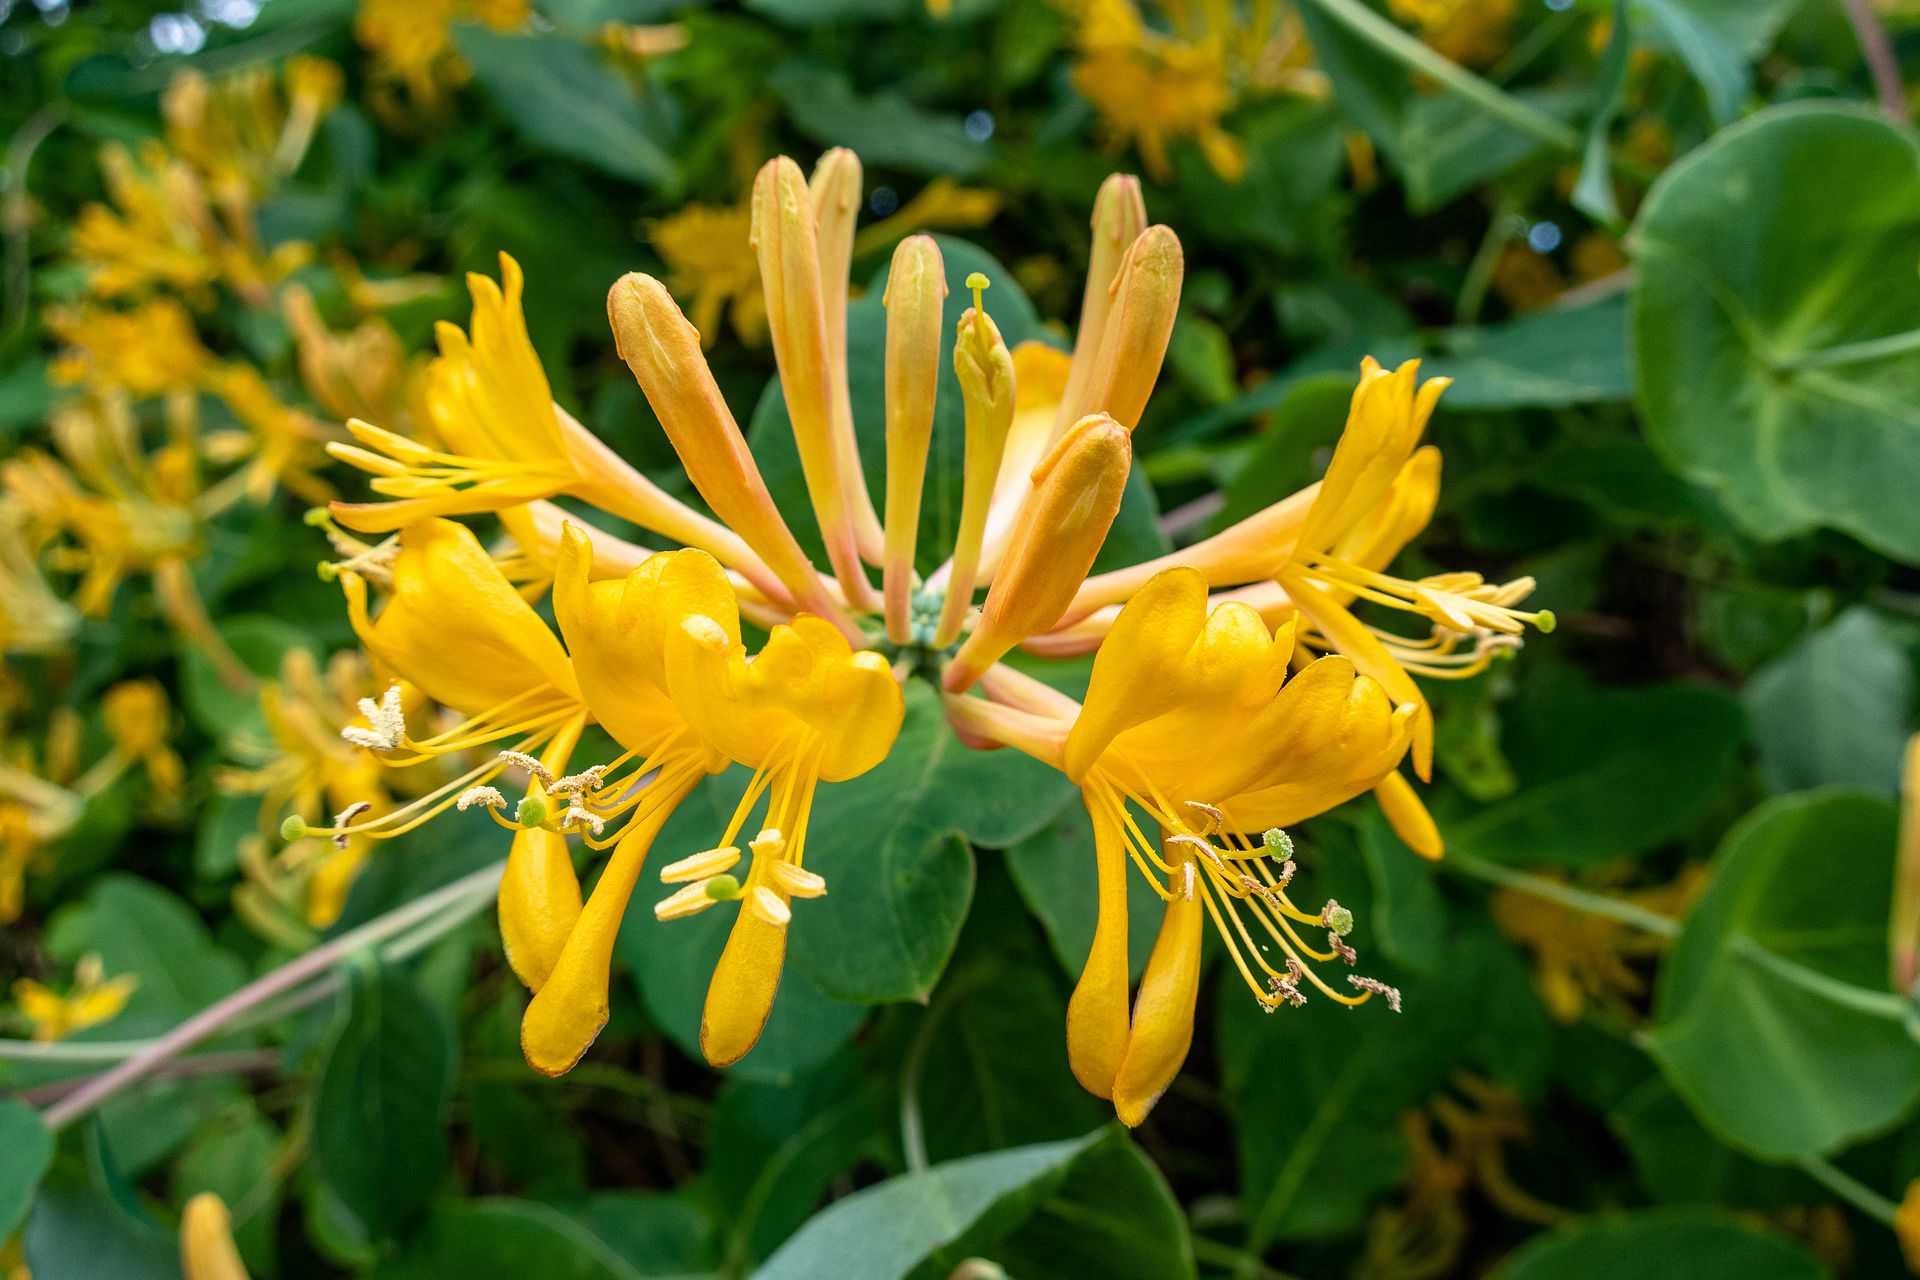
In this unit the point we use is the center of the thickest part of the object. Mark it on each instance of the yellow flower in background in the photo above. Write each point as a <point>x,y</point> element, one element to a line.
<point>244,132</point>
<point>33,619</point>
<point>1582,959</point>
<point>1470,32</point>
<point>207,1250</point>
<point>89,1001</point>
<point>150,350</point>
<point>711,266</point>
<point>21,841</point>
<point>1191,720</point>
<point>139,720</point>
<point>410,43</point>
<point>363,372</point>
<point>1154,85</point>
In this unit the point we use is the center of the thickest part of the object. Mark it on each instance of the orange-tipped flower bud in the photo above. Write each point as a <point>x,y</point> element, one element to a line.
<point>835,188</point>
<point>1135,332</point>
<point>916,289</point>
<point>786,238</point>
<point>1119,216</point>
<point>663,350</point>
<point>1076,494</point>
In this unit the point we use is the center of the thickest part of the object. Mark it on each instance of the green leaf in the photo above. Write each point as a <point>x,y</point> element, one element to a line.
<point>1781,968</point>
<point>1603,772</point>
<point>1693,1243</point>
<point>1717,40</point>
<point>885,128</point>
<point>231,1159</point>
<point>380,1106</point>
<point>87,1233</point>
<point>562,98</point>
<point>233,715</point>
<point>137,927</point>
<point>1834,709</point>
<point>29,1148</point>
<point>1679,1162</point>
<point>1593,193</point>
<point>497,1236</point>
<point>892,846</point>
<point>1555,358</point>
<point>1764,258</point>
<point>1029,1205</point>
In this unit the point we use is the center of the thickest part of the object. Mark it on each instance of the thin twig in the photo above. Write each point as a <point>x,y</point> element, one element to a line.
<point>239,1062</point>
<point>1881,59</point>
<point>1566,895</point>
<point>462,895</point>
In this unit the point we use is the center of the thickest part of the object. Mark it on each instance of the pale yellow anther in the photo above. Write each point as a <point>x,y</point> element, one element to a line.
<point>768,907</point>
<point>770,843</point>
<point>690,900</point>
<point>796,881</point>
<point>698,866</point>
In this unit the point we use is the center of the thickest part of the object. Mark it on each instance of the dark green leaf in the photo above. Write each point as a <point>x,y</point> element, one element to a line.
<point>380,1106</point>
<point>1666,1244</point>
<point>1835,709</point>
<point>29,1149</point>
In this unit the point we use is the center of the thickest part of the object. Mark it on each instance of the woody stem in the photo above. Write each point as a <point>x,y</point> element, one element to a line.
<point>454,902</point>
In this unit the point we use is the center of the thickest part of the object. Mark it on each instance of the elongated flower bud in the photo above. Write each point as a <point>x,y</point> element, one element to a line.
<point>207,1250</point>
<point>1904,932</point>
<point>835,188</point>
<point>916,288</point>
<point>663,351</point>
<point>985,369</point>
<point>1135,332</point>
<point>1076,494</point>
<point>786,238</point>
<point>1119,216</point>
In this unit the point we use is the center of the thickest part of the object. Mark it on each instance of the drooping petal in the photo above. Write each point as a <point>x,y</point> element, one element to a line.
<point>740,996</point>
<point>1097,1013</point>
<point>1162,1013</point>
<point>1407,815</point>
<point>539,904</point>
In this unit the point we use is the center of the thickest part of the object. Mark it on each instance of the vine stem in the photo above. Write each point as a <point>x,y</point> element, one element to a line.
<point>1881,60</point>
<point>1566,895</point>
<point>1406,49</point>
<point>1849,1188</point>
<point>456,902</point>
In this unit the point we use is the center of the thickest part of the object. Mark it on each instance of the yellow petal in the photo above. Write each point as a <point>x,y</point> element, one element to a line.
<point>539,903</point>
<point>1076,494</point>
<point>567,1013</point>
<point>455,627</point>
<point>1347,636</point>
<point>207,1250</point>
<point>916,288</point>
<point>1408,816</point>
<point>1250,549</point>
<point>744,983</point>
<point>1134,336</point>
<point>616,632</point>
<point>1384,424</point>
<point>1162,1013</point>
<point>1097,1013</point>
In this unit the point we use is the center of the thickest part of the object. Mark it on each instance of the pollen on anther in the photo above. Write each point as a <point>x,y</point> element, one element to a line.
<point>488,796</point>
<point>346,815</point>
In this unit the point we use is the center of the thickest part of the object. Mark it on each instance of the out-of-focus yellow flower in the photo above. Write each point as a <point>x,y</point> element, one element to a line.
<point>243,131</point>
<point>1190,719</point>
<point>411,44</point>
<point>139,721</point>
<point>1580,958</point>
<point>90,1001</point>
<point>20,844</point>
<point>1470,32</point>
<point>281,446</point>
<point>1153,87</point>
<point>643,42</point>
<point>159,232</point>
<point>146,351</point>
<point>33,619</point>
<point>362,372</point>
<point>207,1251</point>
<point>1526,280</point>
<point>941,205</point>
<point>711,265</point>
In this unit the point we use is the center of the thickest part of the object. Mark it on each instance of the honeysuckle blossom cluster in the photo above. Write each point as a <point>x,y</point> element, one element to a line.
<point>1235,691</point>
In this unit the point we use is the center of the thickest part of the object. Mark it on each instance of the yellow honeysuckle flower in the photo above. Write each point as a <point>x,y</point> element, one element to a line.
<point>33,619</point>
<point>361,373</point>
<point>654,652</point>
<point>508,443</point>
<point>307,767</point>
<point>241,131</point>
<point>411,44</point>
<point>1190,718</point>
<point>941,205</point>
<point>90,1001</point>
<point>147,351</point>
<point>711,265</point>
<point>1153,87</point>
<point>1580,958</point>
<point>1322,550</point>
<point>139,720</point>
<point>20,843</point>
<point>207,1251</point>
<point>282,446</point>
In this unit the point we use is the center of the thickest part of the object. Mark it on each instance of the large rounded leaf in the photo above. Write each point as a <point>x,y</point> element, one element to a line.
<point>1661,1243</point>
<point>1766,259</point>
<point>1771,1017</point>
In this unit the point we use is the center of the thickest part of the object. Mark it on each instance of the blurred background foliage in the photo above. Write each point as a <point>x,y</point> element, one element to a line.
<point>1668,251</point>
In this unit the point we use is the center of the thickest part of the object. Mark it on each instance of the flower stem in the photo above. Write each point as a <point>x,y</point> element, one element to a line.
<point>1849,1188</point>
<point>458,901</point>
<point>1566,895</point>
